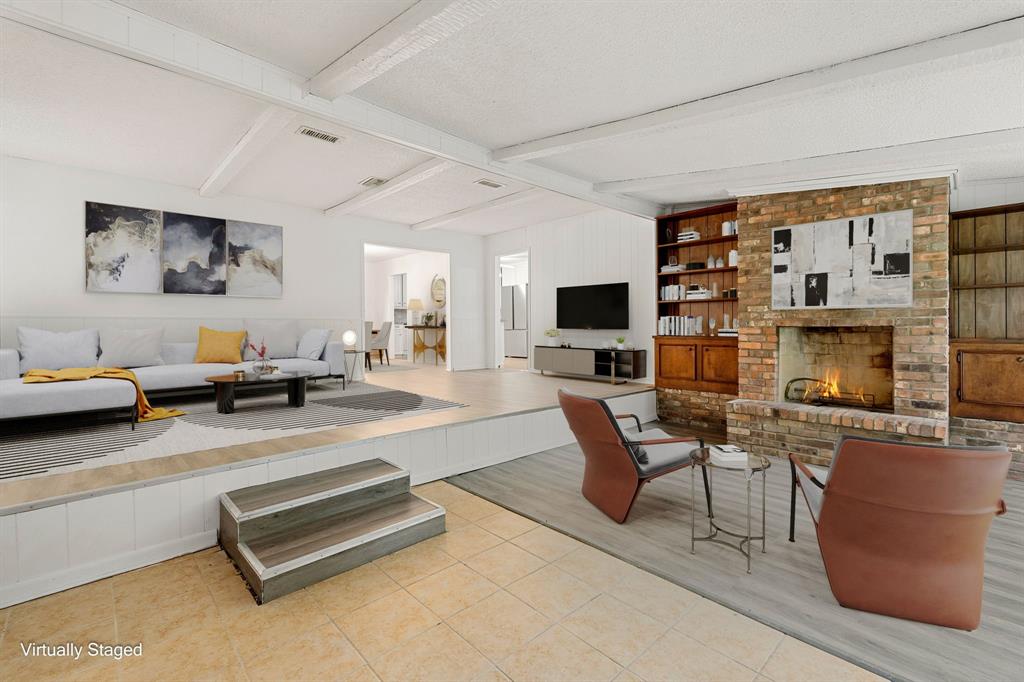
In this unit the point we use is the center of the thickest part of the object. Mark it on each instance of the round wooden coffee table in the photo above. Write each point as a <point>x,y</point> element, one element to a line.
<point>224,385</point>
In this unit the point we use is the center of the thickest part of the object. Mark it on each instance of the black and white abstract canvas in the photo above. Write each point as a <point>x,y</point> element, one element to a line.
<point>194,254</point>
<point>255,259</point>
<point>861,262</point>
<point>122,249</point>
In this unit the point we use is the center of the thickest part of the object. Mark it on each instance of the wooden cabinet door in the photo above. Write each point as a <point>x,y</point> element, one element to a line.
<point>720,364</point>
<point>677,362</point>
<point>988,381</point>
<point>580,362</point>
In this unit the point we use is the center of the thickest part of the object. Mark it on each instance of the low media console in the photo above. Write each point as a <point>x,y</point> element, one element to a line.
<point>617,366</point>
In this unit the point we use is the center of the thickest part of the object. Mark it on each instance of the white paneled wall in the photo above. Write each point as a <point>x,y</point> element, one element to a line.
<point>323,257</point>
<point>593,248</point>
<point>986,193</point>
<point>52,548</point>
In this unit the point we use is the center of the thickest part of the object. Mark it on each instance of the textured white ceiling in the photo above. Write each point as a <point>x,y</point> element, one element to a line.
<point>532,69</point>
<point>549,206</point>
<point>302,36</point>
<point>441,194</point>
<point>976,158</point>
<point>897,107</point>
<point>66,103</point>
<point>308,172</point>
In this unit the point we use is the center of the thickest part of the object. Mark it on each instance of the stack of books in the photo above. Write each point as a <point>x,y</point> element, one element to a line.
<point>688,236</point>
<point>698,295</point>
<point>671,268</point>
<point>729,332</point>
<point>728,455</point>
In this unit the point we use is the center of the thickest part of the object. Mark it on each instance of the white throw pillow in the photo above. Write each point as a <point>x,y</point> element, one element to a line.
<point>312,344</point>
<point>41,349</point>
<point>281,337</point>
<point>131,347</point>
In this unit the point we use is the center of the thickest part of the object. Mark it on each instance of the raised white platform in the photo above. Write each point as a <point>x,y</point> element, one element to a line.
<point>53,545</point>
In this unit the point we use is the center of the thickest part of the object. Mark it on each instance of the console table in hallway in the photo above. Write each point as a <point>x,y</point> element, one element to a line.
<point>420,334</point>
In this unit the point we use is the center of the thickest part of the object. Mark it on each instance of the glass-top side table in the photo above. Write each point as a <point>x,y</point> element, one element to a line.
<point>755,464</point>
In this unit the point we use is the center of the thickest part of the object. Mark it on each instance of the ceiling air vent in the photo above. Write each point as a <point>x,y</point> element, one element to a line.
<point>317,134</point>
<point>372,181</point>
<point>489,183</point>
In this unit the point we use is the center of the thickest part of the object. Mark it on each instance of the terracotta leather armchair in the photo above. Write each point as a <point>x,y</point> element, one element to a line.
<point>902,527</point>
<point>616,467</point>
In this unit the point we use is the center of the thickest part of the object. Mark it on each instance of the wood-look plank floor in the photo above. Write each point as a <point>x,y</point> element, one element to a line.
<point>788,589</point>
<point>486,394</point>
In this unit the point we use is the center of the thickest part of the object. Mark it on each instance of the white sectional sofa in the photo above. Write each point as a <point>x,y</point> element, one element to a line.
<point>177,372</point>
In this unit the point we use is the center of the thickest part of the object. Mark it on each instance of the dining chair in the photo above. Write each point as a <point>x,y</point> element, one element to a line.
<point>902,526</point>
<point>379,342</point>
<point>616,467</point>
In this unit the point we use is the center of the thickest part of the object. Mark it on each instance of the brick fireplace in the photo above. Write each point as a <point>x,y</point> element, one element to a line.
<point>900,356</point>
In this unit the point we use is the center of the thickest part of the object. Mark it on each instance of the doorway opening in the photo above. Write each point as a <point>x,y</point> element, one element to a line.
<point>512,348</point>
<point>406,308</point>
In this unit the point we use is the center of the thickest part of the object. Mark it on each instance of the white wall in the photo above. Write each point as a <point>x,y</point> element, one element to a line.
<point>42,268</point>
<point>420,269</point>
<point>987,193</point>
<point>594,248</point>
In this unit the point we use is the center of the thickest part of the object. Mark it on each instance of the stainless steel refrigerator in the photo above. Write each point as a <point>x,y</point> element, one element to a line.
<point>514,318</point>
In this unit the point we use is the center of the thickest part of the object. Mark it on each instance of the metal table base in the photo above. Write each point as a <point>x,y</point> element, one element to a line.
<point>714,528</point>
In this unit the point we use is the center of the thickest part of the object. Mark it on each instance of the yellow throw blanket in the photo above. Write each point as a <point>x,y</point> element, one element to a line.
<point>146,411</point>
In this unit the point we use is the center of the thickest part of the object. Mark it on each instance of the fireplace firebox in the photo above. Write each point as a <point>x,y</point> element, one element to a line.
<point>847,367</point>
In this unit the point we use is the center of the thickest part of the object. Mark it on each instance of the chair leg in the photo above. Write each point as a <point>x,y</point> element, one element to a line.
<point>792,502</point>
<point>380,356</point>
<point>707,491</point>
<point>387,356</point>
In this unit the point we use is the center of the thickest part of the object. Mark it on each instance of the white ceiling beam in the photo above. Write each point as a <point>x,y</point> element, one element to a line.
<point>514,199</point>
<point>850,180</point>
<point>119,30</point>
<point>399,183</point>
<point>754,96</point>
<point>267,126</point>
<point>425,24</point>
<point>937,152</point>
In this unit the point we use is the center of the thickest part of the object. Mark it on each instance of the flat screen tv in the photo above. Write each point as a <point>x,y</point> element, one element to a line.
<point>598,306</point>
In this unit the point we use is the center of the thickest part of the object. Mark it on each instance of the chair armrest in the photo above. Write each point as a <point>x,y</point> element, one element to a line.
<point>10,367</point>
<point>334,354</point>
<point>804,470</point>
<point>633,417</point>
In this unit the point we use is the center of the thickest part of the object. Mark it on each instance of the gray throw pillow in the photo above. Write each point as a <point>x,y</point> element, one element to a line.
<point>41,349</point>
<point>131,347</point>
<point>312,344</point>
<point>280,336</point>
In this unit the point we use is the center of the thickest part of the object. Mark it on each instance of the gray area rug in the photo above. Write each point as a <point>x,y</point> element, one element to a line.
<point>788,588</point>
<point>259,415</point>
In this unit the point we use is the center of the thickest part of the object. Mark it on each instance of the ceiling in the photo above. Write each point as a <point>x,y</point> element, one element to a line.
<point>474,78</point>
<point>303,36</point>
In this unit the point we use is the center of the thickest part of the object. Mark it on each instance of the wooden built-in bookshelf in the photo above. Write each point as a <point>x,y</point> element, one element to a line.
<point>703,362</point>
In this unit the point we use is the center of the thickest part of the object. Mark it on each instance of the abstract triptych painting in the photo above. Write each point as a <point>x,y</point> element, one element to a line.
<point>136,250</point>
<point>862,262</point>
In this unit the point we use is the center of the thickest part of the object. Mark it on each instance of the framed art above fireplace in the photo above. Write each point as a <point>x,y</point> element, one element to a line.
<point>860,262</point>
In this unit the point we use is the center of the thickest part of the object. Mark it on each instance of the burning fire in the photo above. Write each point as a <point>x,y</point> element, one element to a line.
<point>828,387</point>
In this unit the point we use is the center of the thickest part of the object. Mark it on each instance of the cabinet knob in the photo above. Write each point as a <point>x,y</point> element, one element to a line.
<point>1020,358</point>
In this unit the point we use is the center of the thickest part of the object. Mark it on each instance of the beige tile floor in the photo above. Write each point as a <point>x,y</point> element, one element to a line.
<point>497,597</point>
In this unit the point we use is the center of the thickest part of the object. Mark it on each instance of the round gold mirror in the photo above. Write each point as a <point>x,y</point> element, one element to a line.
<point>439,291</point>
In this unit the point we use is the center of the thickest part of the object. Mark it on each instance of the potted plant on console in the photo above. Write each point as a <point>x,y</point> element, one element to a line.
<point>621,341</point>
<point>552,336</point>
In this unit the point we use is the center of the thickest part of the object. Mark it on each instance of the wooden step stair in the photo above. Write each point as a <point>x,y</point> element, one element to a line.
<point>288,534</point>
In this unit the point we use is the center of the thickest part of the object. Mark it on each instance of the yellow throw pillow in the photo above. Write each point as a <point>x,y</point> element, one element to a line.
<point>216,346</point>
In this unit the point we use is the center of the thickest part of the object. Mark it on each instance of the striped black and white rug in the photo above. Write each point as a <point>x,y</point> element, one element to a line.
<point>257,416</point>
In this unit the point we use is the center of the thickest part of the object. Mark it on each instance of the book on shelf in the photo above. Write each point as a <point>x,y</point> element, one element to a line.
<point>688,236</point>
